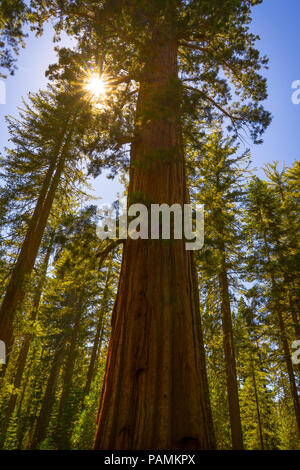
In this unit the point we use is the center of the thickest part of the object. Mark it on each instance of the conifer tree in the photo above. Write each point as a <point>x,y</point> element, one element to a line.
<point>217,182</point>
<point>13,15</point>
<point>47,145</point>
<point>258,403</point>
<point>264,233</point>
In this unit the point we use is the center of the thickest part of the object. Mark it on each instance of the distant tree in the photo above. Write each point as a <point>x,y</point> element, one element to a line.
<point>264,234</point>
<point>257,395</point>
<point>13,16</point>
<point>42,165</point>
<point>217,182</point>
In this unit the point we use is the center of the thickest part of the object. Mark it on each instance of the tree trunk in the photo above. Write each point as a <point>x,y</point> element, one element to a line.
<point>293,310</point>
<point>62,429</point>
<point>14,292</point>
<point>155,393</point>
<point>16,287</point>
<point>277,312</point>
<point>48,399</point>
<point>257,406</point>
<point>97,342</point>
<point>230,363</point>
<point>289,366</point>
<point>26,343</point>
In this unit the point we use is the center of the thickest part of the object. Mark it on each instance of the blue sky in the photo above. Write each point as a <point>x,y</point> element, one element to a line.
<point>278,24</point>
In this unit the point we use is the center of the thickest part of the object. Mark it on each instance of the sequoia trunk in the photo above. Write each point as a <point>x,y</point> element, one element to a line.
<point>155,393</point>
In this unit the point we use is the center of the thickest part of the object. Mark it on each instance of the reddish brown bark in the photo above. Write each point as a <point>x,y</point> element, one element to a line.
<point>155,393</point>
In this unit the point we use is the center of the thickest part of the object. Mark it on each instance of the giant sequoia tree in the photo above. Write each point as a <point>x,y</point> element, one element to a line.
<point>155,393</point>
<point>176,62</point>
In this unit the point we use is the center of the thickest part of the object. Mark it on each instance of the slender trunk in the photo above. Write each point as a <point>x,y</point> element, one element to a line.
<point>277,312</point>
<point>26,343</point>
<point>155,393</point>
<point>288,277</point>
<point>294,312</point>
<point>289,366</point>
<point>62,429</point>
<point>230,363</point>
<point>257,406</point>
<point>48,399</point>
<point>91,369</point>
<point>31,404</point>
<point>16,287</point>
<point>14,292</point>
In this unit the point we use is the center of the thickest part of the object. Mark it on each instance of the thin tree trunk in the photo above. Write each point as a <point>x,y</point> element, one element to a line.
<point>26,343</point>
<point>155,393</point>
<point>293,310</point>
<point>257,406</point>
<point>48,399</point>
<point>62,432</point>
<point>277,312</point>
<point>230,363</point>
<point>289,366</point>
<point>16,287</point>
<point>14,292</point>
<point>28,411</point>
<point>287,276</point>
<point>91,369</point>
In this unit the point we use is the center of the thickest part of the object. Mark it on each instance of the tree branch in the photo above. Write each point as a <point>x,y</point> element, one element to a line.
<point>217,105</point>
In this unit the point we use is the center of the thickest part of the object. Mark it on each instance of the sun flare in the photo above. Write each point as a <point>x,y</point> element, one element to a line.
<point>96,86</point>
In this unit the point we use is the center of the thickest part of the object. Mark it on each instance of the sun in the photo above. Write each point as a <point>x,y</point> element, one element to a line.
<point>96,86</point>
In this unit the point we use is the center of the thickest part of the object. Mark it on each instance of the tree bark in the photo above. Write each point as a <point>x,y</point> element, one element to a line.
<point>262,447</point>
<point>97,340</point>
<point>230,363</point>
<point>155,393</point>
